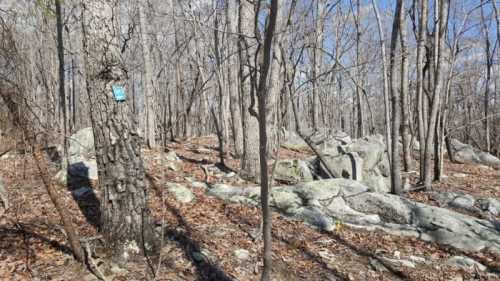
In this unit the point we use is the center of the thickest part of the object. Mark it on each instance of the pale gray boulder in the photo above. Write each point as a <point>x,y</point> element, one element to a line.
<point>347,166</point>
<point>292,171</point>
<point>180,192</point>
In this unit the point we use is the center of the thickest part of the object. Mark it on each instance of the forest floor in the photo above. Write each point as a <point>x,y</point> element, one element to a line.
<point>33,245</point>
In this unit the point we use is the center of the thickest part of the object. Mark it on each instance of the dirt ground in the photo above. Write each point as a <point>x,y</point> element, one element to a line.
<point>33,244</point>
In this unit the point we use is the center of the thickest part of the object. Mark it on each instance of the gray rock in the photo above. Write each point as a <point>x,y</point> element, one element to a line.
<point>377,265</point>
<point>81,144</point>
<point>241,254</point>
<point>453,199</point>
<point>376,182</point>
<point>465,262</point>
<point>370,148</point>
<point>490,205</point>
<point>292,171</point>
<point>61,177</point>
<point>171,156</point>
<point>398,262</point>
<point>465,153</point>
<point>389,207</point>
<point>384,166</point>
<point>199,184</point>
<point>348,166</point>
<point>180,192</point>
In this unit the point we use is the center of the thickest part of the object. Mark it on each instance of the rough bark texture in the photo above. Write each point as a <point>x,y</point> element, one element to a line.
<point>125,217</point>
<point>385,81</point>
<point>439,43</point>
<point>147,81</point>
<point>234,96</point>
<point>262,95</point>
<point>247,51</point>
<point>405,103</point>
<point>422,38</point>
<point>395,102</point>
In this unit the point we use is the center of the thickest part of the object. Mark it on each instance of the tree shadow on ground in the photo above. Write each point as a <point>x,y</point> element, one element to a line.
<point>83,193</point>
<point>8,234</point>
<point>182,234</point>
<point>364,253</point>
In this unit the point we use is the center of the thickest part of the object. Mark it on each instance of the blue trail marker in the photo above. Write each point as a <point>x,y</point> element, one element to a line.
<point>119,93</point>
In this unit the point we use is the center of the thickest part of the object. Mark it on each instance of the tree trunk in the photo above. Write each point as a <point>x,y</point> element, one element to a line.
<point>147,81</point>
<point>125,218</point>
<point>396,185</point>
<point>405,103</point>
<point>247,52</point>
<point>233,79</point>
<point>385,81</point>
<point>262,96</point>
<point>441,19</point>
<point>422,38</point>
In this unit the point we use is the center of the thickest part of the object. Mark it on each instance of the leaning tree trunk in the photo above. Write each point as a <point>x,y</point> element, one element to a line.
<point>125,218</point>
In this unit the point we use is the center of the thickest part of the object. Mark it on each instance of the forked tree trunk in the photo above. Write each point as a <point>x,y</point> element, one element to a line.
<point>125,217</point>
<point>441,19</point>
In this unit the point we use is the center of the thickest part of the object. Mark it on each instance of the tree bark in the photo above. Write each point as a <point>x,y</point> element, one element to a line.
<point>422,38</point>
<point>441,19</point>
<point>262,96</point>
<point>396,185</point>
<point>247,53</point>
<point>233,79</point>
<point>385,81</point>
<point>147,81</point>
<point>125,218</point>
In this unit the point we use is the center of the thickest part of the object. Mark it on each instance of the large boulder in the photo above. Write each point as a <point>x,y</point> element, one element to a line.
<point>180,192</point>
<point>321,203</point>
<point>490,205</point>
<point>390,208</point>
<point>465,153</point>
<point>81,144</point>
<point>370,148</point>
<point>292,171</point>
<point>347,166</point>
<point>81,155</point>
<point>454,199</point>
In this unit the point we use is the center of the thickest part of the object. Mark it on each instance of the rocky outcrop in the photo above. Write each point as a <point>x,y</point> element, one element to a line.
<point>180,192</point>
<point>363,159</point>
<point>292,171</point>
<point>465,153</point>
<point>322,203</point>
<point>81,155</point>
